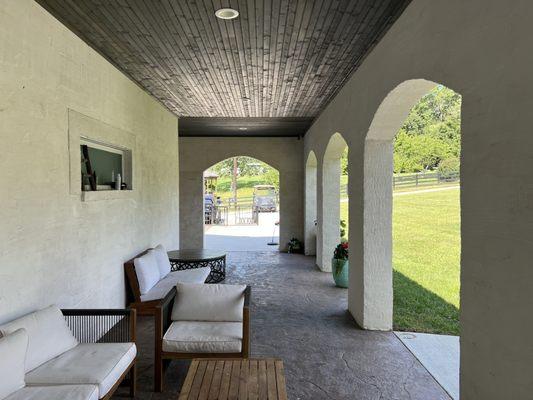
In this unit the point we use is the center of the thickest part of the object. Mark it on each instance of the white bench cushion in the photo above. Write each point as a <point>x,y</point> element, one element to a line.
<point>147,271</point>
<point>160,290</point>
<point>70,392</point>
<point>48,335</point>
<point>100,364</point>
<point>214,302</point>
<point>163,263</point>
<point>203,337</point>
<point>12,356</point>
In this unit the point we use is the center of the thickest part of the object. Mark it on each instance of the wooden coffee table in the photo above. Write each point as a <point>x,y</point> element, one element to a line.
<point>224,379</point>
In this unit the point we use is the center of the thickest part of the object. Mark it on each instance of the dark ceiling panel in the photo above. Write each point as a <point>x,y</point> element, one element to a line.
<point>278,59</point>
<point>216,126</point>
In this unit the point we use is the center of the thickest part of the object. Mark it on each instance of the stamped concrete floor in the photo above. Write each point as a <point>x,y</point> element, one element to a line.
<point>299,316</point>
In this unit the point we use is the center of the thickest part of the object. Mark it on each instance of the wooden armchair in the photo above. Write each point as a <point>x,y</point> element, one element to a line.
<point>234,338</point>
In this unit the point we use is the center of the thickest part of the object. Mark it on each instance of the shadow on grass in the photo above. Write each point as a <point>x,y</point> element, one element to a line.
<point>416,309</point>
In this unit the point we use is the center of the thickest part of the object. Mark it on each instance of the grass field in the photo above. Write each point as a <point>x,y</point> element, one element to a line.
<point>426,259</point>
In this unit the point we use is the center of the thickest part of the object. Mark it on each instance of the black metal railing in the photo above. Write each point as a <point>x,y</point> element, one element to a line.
<point>101,325</point>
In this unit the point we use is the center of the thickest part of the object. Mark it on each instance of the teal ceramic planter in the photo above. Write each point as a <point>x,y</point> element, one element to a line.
<point>339,269</point>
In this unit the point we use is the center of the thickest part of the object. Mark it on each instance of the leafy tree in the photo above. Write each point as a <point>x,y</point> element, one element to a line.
<point>431,133</point>
<point>247,166</point>
<point>344,162</point>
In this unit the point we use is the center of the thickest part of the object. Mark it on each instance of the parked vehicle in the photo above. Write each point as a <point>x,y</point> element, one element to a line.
<point>265,198</point>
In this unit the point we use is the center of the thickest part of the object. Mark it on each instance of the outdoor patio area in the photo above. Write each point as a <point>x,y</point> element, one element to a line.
<point>244,237</point>
<point>299,316</point>
<point>262,199</point>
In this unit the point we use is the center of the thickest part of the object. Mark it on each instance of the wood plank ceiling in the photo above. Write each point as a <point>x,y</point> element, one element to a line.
<point>280,60</point>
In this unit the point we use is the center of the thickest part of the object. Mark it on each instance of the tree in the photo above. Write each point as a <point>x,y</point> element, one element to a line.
<point>344,162</point>
<point>246,166</point>
<point>431,133</point>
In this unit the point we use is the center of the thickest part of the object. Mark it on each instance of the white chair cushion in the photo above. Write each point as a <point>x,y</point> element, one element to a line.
<point>100,364</point>
<point>163,263</point>
<point>199,302</point>
<point>48,335</point>
<point>160,290</point>
<point>147,271</point>
<point>203,337</point>
<point>70,392</point>
<point>12,357</point>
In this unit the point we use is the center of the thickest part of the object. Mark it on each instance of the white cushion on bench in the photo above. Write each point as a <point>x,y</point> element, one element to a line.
<point>203,337</point>
<point>48,335</point>
<point>160,290</point>
<point>70,392</point>
<point>163,263</point>
<point>147,271</point>
<point>100,364</point>
<point>12,356</point>
<point>208,302</point>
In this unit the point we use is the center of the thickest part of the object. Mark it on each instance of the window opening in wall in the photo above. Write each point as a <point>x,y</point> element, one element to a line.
<point>103,167</point>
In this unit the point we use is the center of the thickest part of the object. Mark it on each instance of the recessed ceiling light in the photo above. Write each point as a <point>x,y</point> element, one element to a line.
<point>226,13</point>
<point>243,128</point>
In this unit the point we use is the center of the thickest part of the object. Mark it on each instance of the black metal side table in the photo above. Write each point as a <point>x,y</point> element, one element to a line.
<point>193,258</point>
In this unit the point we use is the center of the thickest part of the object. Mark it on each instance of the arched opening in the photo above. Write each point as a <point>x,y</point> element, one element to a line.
<point>329,226</point>
<point>411,268</point>
<point>310,204</point>
<point>241,205</point>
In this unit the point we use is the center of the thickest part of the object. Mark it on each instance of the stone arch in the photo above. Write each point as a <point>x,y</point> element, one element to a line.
<point>310,204</point>
<point>328,227</point>
<point>375,310</point>
<point>281,196</point>
<point>283,154</point>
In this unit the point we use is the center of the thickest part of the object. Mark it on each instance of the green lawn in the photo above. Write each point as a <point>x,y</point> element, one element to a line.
<point>426,258</point>
<point>245,186</point>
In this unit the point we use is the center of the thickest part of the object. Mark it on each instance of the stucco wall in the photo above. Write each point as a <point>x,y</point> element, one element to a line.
<point>57,248</point>
<point>481,49</point>
<point>198,154</point>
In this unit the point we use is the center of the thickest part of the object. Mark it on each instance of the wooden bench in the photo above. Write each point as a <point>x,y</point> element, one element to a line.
<point>256,378</point>
<point>148,307</point>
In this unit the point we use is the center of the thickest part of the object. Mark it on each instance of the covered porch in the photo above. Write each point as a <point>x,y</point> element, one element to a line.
<point>110,112</point>
<point>300,316</point>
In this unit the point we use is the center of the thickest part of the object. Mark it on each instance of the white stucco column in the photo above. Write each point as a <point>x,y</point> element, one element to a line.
<point>191,210</point>
<point>291,194</point>
<point>310,205</point>
<point>330,210</point>
<point>319,215</point>
<point>370,290</point>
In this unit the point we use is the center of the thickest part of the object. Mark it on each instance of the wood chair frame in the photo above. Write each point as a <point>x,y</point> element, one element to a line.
<point>133,292</point>
<point>162,323</point>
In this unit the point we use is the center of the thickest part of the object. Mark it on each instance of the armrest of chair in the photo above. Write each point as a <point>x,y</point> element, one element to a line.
<point>163,311</point>
<point>247,296</point>
<point>246,331</point>
<point>102,325</point>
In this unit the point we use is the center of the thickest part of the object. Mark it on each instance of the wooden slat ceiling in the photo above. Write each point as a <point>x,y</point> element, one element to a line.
<point>279,59</point>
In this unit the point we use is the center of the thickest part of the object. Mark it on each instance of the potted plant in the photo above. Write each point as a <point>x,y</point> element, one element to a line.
<point>295,246</point>
<point>339,265</point>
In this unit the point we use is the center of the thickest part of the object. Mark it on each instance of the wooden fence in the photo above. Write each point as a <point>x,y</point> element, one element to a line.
<point>419,179</point>
<point>424,179</point>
